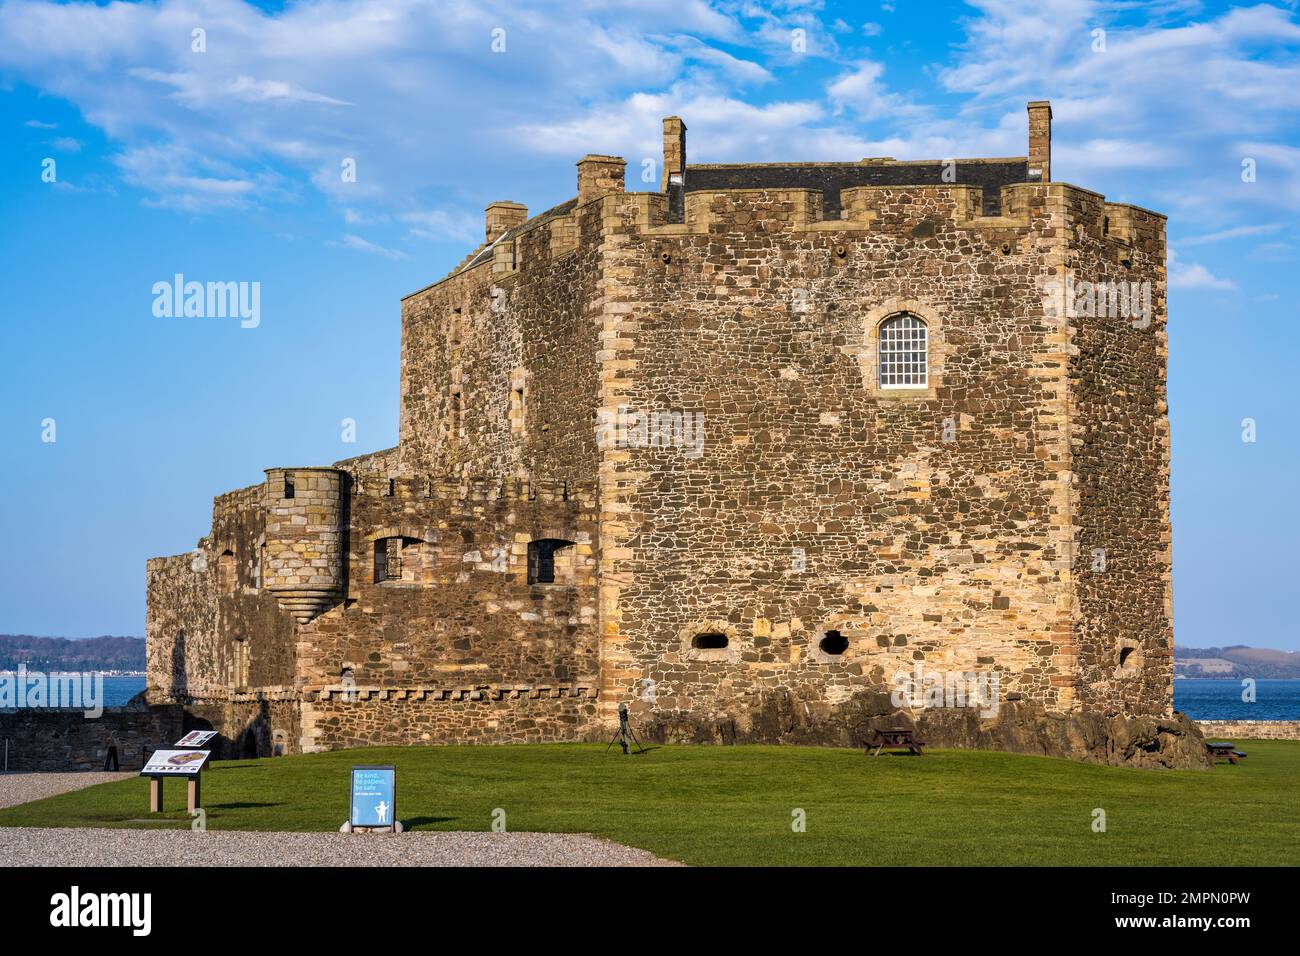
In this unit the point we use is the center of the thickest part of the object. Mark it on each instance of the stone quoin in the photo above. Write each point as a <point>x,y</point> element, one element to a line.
<point>901,452</point>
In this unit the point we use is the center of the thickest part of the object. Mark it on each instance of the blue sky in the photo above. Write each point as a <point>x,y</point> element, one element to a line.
<point>226,164</point>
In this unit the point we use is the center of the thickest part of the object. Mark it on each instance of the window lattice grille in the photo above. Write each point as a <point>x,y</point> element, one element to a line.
<point>388,559</point>
<point>394,562</point>
<point>903,358</point>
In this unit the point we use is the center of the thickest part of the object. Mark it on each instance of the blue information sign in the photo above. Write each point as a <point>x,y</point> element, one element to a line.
<point>373,796</point>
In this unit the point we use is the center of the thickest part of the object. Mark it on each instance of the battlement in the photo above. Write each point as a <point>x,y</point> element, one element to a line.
<point>989,194</point>
<point>480,489</point>
<point>865,209</point>
<point>454,694</point>
<point>270,494</point>
<point>1026,208</point>
<point>239,499</point>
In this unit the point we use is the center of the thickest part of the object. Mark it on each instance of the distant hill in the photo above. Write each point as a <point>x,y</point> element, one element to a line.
<point>1236,661</point>
<point>64,654</point>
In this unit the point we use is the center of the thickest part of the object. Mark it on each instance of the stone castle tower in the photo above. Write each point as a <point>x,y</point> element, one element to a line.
<point>742,453</point>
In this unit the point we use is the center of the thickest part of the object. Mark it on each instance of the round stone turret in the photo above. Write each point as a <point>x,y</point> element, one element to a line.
<point>303,564</point>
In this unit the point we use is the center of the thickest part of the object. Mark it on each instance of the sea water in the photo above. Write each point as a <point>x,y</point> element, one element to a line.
<point>1221,699</point>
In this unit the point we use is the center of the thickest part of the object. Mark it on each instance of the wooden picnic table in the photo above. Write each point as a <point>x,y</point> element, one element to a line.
<point>1222,748</point>
<point>901,738</point>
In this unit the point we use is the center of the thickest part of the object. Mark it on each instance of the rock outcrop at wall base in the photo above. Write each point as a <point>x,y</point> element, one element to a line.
<point>1118,740</point>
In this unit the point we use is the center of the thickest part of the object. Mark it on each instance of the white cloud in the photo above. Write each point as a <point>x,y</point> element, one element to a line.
<point>862,91</point>
<point>443,224</point>
<point>411,90</point>
<point>1196,276</point>
<point>1101,153</point>
<point>1184,275</point>
<point>1275,252</point>
<point>1160,107</point>
<point>181,179</point>
<point>350,241</point>
<point>1236,232</point>
<point>195,90</point>
<point>1277,174</point>
<point>719,128</point>
<point>744,72</point>
<point>438,124</point>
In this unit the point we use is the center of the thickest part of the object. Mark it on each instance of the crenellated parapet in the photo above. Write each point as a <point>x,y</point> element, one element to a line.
<point>453,489</point>
<point>1026,208</point>
<point>454,694</point>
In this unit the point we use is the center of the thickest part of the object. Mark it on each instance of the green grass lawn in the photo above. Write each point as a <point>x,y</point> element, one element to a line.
<point>713,805</point>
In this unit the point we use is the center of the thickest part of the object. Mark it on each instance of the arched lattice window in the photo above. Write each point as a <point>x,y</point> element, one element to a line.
<point>903,357</point>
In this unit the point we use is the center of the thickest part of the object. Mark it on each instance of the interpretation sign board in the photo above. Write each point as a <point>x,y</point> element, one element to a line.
<point>373,796</point>
<point>195,738</point>
<point>175,763</point>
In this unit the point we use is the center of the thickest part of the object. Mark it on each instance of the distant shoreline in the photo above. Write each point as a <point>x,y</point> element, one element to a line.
<point>1230,677</point>
<point>37,670</point>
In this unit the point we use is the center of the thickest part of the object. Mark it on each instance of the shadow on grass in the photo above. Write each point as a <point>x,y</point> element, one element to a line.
<point>415,822</point>
<point>182,823</point>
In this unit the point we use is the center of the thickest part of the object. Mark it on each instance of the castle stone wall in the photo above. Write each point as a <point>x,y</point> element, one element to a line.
<point>499,363</point>
<point>464,619</point>
<point>1119,453</point>
<point>182,647</point>
<point>248,723</point>
<point>764,536</point>
<point>541,714</point>
<point>933,523</point>
<point>257,644</point>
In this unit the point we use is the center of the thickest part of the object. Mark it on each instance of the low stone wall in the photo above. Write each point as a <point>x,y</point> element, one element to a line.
<point>68,740</point>
<point>331,723</point>
<point>1251,729</point>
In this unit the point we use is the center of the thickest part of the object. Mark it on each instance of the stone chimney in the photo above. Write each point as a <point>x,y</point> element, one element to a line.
<point>503,215</point>
<point>1040,141</point>
<point>599,176</point>
<point>674,152</point>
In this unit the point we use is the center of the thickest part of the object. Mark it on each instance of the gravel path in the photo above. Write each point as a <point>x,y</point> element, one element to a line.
<point>30,846</point>
<point>16,788</point>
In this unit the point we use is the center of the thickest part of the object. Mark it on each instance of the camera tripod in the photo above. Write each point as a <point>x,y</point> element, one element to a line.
<point>624,733</point>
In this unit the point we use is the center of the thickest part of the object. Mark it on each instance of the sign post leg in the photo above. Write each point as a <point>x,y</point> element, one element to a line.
<point>155,794</point>
<point>194,799</point>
